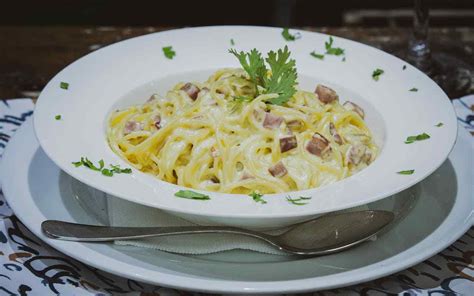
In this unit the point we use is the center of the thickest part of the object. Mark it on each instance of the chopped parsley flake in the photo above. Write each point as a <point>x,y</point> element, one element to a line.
<point>107,172</point>
<point>290,37</point>
<point>317,55</point>
<point>232,42</point>
<point>189,194</point>
<point>407,172</point>
<point>376,74</point>
<point>298,201</point>
<point>440,124</point>
<point>257,197</point>
<point>169,52</point>
<point>404,67</point>
<point>57,117</point>
<point>100,168</point>
<point>337,51</point>
<point>64,85</point>
<point>330,50</point>
<point>414,89</point>
<point>419,137</point>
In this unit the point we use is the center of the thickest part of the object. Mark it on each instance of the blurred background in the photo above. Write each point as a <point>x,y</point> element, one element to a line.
<point>250,12</point>
<point>39,38</point>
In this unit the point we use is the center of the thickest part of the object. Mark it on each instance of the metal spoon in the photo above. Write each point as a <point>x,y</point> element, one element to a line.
<point>323,235</point>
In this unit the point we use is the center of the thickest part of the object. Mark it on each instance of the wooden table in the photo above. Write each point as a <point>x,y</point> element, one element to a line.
<point>31,56</point>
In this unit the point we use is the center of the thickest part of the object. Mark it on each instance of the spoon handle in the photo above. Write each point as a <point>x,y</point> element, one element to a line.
<point>94,233</point>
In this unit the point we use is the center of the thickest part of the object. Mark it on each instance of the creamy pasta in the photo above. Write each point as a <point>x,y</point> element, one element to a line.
<point>220,135</point>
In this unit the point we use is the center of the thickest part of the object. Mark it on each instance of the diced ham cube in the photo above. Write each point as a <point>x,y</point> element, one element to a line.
<point>157,121</point>
<point>132,126</point>
<point>325,94</point>
<point>152,98</point>
<point>334,134</point>
<point>192,90</point>
<point>272,121</point>
<point>318,145</point>
<point>278,170</point>
<point>355,154</point>
<point>287,143</point>
<point>246,176</point>
<point>294,125</point>
<point>367,158</point>
<point>214,152</point>
<point>354,107</point>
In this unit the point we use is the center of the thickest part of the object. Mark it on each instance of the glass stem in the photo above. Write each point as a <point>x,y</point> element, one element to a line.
<point>419,52</point>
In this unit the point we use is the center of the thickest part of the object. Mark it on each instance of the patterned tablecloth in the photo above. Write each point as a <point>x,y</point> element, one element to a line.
<point>30,267</point>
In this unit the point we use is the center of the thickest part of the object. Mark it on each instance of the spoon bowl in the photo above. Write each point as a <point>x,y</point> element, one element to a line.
<point>323,235</point>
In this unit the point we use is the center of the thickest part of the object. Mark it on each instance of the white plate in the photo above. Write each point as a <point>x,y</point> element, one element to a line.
<point>37,190</point>
<point>129,71</point>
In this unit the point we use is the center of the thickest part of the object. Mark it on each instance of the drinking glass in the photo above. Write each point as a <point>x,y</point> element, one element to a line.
<point>452,74</point>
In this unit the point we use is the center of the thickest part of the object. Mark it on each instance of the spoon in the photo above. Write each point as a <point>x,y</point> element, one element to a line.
<point>323,235</point>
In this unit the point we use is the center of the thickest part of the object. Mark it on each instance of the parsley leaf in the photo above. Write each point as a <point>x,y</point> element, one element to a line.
<point>232,42</point>
<point>257,197</point>
<point>414,89</point>
<point>57,117</point>
<point>317,55</point>
<point>407,172</point>
<point>419,137</point>
<point>189,194</point>
<point>290,37</point>
<point>376,74</point>
<point>283,76</point>
<point>440,124</point>
<point>169,52</point>
<point>298,201</point>
<point>337,51</point>
<point>77,163</point>
<point>253,63</point>
<point>64,85</point>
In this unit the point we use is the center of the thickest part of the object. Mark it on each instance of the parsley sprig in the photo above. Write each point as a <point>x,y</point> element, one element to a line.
<point>257,197</point>
<point>298,201</point>
<point>282,79</point>
<point>101,167</point>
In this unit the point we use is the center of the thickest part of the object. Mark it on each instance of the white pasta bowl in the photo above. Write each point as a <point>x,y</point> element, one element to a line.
<point>130,71</point>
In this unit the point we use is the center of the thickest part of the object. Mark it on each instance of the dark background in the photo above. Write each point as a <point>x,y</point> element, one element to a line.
<point>249,12</point>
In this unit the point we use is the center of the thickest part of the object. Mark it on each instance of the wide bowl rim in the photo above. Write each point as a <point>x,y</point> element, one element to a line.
<point>302,211</point>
